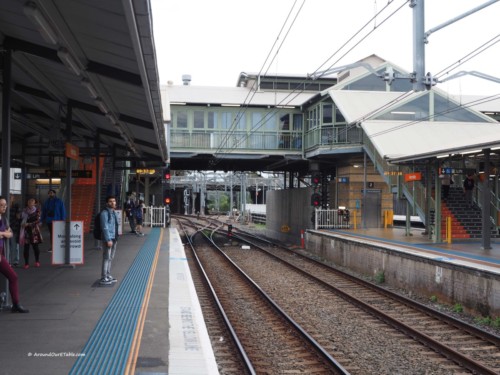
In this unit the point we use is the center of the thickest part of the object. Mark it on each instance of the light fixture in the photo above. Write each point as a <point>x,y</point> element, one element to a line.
<point>91,89</point>
<point>100,104</point>
<point>177,103</point>
<point>443,156</point>
<point>69,60</point>
<point>43,26</point>
<point>229,105</point>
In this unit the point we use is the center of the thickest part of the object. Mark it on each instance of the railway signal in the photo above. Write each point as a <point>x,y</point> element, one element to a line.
<point>167,197</point>
<point>315,179</point>
<point>230,230</point>
<point>316,200</point>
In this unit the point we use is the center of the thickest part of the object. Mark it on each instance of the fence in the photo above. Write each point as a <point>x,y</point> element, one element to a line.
<point>156,216</point>
<point>331,219</point>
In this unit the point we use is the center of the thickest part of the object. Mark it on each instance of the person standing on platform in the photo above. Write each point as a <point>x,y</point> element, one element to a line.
<point>15,226</point>
<point>139,210</point>
<point>130,207</point>
<point>30,232</point>
<point>109,230</point>
<point>468,189</point>
<point>53,209</point>
<point>5,268</point>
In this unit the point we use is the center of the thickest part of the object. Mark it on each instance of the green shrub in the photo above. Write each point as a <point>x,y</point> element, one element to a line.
<point>458,308</point>
<point>433,299</point>
<point>380,277</point>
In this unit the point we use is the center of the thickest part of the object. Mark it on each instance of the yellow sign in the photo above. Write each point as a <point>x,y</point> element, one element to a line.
<point>145,171</point>
<point>285,228</point>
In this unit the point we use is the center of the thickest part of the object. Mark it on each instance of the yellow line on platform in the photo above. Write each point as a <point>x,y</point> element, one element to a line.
<point>136,342</point>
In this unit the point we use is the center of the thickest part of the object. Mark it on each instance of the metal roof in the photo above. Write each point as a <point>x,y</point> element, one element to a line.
<point>204,95</point>
<point>356,105</point>
<point>97,57</point>
<point>401,141</point>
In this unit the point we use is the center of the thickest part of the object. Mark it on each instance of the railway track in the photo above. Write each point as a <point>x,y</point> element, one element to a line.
<point>266,340</point>
<point>391,334</point>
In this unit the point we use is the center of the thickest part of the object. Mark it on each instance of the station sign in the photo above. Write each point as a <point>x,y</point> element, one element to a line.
<point>416,176</point>
<point>451,171</point>
<point>77,173</point>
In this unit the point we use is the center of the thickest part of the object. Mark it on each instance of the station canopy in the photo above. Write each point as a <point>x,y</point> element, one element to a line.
<point>91,61</point>
<point>412,126</point>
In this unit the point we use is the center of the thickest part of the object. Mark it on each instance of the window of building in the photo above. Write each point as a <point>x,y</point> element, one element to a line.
<point>199,119</point>
<point>256,120</point>
<point>327,113</point>
<point>182,120</point>
<point>226,120</point>
<point>211,120</point>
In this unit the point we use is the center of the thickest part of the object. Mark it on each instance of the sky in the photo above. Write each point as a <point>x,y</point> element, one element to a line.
<point>213,41</point>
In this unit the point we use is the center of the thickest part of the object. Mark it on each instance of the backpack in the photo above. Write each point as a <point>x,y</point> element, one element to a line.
<point>97,225</point>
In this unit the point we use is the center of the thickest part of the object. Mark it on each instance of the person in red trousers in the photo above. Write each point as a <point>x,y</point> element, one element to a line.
<point>5,268</point>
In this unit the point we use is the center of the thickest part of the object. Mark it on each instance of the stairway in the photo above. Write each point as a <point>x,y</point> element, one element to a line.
<point>466,221</point>
<point>82,204</point>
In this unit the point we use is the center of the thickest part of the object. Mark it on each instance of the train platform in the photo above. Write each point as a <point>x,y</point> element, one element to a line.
<point>465,252</point>
<point>149,322</point>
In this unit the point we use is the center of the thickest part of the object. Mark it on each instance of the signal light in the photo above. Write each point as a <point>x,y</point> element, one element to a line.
<point>316,179</point>
<point>230,230</point>
<point>167,197</point>
<point>316,200</point>
<point>166,174</point>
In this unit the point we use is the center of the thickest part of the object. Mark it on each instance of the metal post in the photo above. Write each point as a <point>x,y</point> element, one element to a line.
<point>437,205</point>
<point>6,138</point>
<point>418,44</point>
<point>486,224</point>
<point>97,179</point>
<point>69,131</point>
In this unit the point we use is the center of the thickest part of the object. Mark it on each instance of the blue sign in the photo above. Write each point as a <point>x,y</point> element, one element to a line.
<point>343,180</point>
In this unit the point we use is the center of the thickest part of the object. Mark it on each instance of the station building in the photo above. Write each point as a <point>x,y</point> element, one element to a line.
<point>347,128</point>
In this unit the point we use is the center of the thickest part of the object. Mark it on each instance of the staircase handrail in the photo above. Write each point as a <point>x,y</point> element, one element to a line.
<point>494,204</point>
<point>392,176</point>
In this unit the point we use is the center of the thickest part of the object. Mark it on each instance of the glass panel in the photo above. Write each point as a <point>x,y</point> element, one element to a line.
<point>241,123</point>
<point>445,110</point>
<point>182,120</point>
<point>368,83</point>
<point>297,121</point>
<point>199,120</point>
<point>225,120</point>
<point>327,113</point>
<point>269,122</point>
<point>256,120</point>
<point>285,122</point>
<point>211,120</point>
<point>417,109</point>
<point>338,116</point>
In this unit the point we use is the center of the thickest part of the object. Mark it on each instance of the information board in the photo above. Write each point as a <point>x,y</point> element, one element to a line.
<point>59,242</point>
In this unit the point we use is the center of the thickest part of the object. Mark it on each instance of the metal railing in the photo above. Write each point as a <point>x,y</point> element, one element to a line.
<point>156,216</point>
<point>240,140</point>
<point>331,219</point>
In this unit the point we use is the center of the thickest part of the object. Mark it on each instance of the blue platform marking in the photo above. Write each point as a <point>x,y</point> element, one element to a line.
<point>107,350</point>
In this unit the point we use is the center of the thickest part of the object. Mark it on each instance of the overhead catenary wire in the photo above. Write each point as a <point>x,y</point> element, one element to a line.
<point>457,108</point>
<point>294,93</point>
<point>252,92</point>
<point>476,52</point>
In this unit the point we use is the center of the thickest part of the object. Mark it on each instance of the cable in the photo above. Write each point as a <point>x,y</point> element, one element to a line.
<point>304,81</point>
<point>459,107</point>
<point>468,57</point>
<point>252,91</point>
